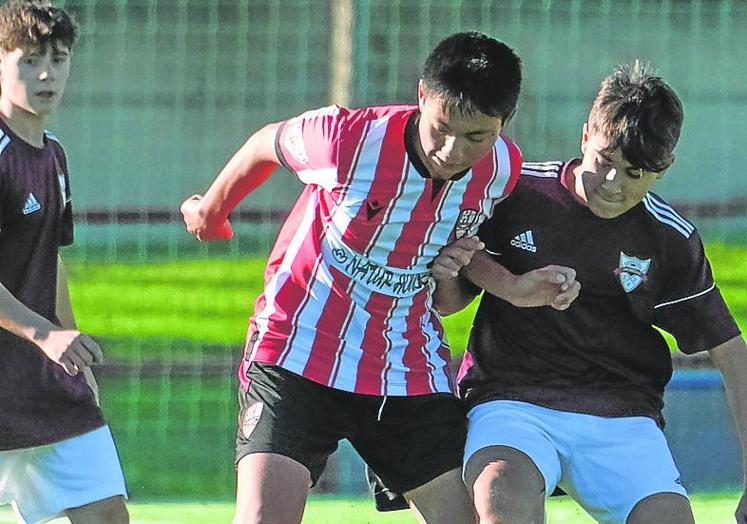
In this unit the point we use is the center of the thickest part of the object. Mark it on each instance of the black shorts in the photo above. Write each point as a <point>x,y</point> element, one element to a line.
<point>407,441</point>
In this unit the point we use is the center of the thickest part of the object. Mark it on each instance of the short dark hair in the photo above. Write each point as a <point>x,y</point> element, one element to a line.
<point>35,23</point>
<point>474,72</point>
<point>640,114</point>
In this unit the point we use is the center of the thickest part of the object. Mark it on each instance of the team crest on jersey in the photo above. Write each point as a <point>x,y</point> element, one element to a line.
<point>250,418</point>
<point>468,222</point>
<point>632,271</point>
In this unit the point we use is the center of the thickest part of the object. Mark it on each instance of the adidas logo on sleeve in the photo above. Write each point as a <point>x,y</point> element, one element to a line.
<point>525,241</point>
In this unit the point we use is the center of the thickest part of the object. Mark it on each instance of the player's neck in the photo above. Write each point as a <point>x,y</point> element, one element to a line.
<point>572,180</point>
<point>29,127</point>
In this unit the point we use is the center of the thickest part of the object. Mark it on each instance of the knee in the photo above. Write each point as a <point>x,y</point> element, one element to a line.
<point>109,511</point>
<point>662,508</point>
<point>506,486</point>
<point>117,514</point>
<point>264,514</point>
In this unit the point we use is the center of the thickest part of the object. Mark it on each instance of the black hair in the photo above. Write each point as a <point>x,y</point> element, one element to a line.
<point>474,72</point>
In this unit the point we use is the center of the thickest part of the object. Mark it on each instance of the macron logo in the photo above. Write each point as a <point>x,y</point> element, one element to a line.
<point>524,241</point>
<point>31,205</point>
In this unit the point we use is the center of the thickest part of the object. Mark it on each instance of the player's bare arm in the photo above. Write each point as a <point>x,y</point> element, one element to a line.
<point>67,347</point>
<point>552,285</point>
<point>64,312</point>
<point>207,217</point>
<point>731,359</point>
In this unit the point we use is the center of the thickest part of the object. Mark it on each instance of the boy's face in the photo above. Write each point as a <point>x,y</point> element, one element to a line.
<point>610,185</point>
<point>33,79</point>
<point>450,141</point>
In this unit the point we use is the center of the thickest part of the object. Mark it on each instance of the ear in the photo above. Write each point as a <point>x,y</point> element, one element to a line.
<point>421,95</point>
<point>584,137</point>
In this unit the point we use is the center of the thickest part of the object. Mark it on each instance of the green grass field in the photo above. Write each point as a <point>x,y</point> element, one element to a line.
<point>709,509</point>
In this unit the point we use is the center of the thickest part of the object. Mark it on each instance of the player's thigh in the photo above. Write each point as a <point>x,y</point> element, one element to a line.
<point>271,488</point>
<point>442,500</point>
<point>510,462</point>
<point>511,438</point>
<point>662,508</point>
<point>287,415</point>
<point>617,464</point>
<point>73,473</point>
<point>111,510</point>
<point>413,440</point>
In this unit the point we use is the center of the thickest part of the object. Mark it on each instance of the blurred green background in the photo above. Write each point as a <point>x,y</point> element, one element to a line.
<point>164,91</point>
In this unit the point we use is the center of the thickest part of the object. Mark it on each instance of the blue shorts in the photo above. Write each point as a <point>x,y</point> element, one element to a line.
<point>44,481</point>
<point>607,465</point>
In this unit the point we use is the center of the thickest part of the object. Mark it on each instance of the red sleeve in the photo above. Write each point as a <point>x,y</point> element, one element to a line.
<point>516,160</point>
<point>308,145</point>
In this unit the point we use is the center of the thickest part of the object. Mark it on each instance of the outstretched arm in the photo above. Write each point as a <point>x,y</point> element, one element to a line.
<point>207,217</point>
<point>731,359</point>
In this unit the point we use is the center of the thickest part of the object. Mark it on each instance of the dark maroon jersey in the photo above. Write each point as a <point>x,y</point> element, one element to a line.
<point>601,356</point>
<point>39,402</point>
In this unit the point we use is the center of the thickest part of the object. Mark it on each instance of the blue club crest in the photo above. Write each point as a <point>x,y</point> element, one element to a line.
<point>632,271</point>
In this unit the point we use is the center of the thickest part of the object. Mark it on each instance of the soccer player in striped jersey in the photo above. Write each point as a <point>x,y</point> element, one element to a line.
<point>344,341</point>
<point>573,398</point>
<point>57,456</point>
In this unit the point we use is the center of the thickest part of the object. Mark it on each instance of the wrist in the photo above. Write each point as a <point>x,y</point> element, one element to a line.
<point>508,284</point>
<point>37,331</point>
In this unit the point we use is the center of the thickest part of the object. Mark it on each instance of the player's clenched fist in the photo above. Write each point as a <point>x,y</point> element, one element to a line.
<point>198,224</point>
<point>70,349</point>
<point>454,257</point>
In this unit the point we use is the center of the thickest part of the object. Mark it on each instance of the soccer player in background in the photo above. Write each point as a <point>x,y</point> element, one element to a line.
<point>57,456</point>
<point>344,342</point>
<point>573,398</point>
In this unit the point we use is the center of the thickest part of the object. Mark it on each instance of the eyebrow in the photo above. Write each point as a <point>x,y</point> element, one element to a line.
<point>471,133</point>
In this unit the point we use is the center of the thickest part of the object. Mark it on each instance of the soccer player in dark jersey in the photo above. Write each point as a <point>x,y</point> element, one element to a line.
<point>57,456</point>
<point>573,398</point>
<point>344,342</point>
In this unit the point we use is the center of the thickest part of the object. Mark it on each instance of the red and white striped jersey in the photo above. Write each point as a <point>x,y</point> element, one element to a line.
<point>347,299</point>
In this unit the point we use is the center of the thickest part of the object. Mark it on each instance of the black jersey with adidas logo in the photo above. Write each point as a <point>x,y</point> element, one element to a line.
<point>601,356</point>
<point>39,402</point>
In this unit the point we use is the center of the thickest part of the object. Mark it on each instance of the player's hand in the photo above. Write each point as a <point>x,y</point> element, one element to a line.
<point>454,257</point>
<point>70,349</point>
<point>554,286</point>
<point>741,513</point>
<point>197,223</point>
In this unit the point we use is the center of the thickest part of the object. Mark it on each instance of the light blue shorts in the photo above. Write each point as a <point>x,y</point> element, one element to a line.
<point>43,482</point>
<point>607,465</point>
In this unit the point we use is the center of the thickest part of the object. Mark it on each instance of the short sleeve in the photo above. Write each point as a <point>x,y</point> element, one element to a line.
<point>66,226</point>
<point>308,145</point>
<point>66,222</point>
<point>691,306</point>
<point>490,232</point>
